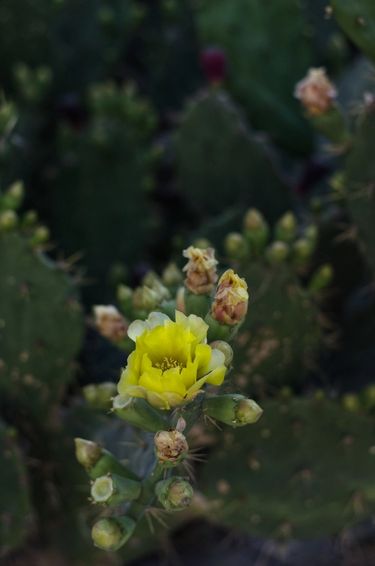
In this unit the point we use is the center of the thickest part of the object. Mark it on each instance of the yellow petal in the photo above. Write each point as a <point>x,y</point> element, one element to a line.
<point>152,380</point>
<point>194,323</point>
<point>135,391</point>
<point>193,390</point>
<point>171,381</point>
<point>157,400</point>
<point>216,376</point>
<point>174,400</point>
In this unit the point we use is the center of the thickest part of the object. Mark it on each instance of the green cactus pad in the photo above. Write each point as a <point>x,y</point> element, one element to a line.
<point>305,469</point>
<point>40,328</point>
<point>357,19</point>
<point>360,179</point>
<point>221,163</point>
<point>15,506</point>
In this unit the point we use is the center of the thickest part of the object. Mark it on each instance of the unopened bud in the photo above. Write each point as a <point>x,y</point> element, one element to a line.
<point>145,299</point>
<point>30,218</point>
<point>302,252</point>
<point>113,489</point>
<point>170,447</point>
<point>98,462</point>
<point>234,410</point>
<point>277,252</point>
<point>87,453</point>
<point>256,231</point>
<point>110,322</point>
<point>40,236</point>
<point>201,274</point>
<point>311,234</point>
<point>14,196</point>
<point>235,245</point>
<point>100,395</point>
<point>231,299</point>
<point>174,493</point>
<point>351,403</point>
<point>316,92</point>
<point>321,278</point>
<point>286,228</point>
<point>8,220</point>
<point>226,349</point>
<point>111,533</point>
<point>172,275</point>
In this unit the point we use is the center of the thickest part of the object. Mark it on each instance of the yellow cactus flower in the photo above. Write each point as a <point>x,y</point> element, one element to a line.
<point>171,361</point>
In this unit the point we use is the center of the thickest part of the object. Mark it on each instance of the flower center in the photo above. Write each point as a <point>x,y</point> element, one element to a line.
<point>168,363</point>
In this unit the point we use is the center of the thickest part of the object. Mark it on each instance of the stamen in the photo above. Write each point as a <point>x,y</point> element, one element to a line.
<point>168,363</point>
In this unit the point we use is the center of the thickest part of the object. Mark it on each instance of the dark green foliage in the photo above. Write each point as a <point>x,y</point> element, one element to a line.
<point>41,328</point>
<point>15,506</point>
<point>261,74</point>
<point>221,163</point>
<point>306,469</point>
<point>357,19</point>
<point>360,181</point>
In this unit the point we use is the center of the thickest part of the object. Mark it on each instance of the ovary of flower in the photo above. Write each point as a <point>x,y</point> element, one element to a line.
<point>200,270</point>
<point>171,361</point>
<point>316,92</point>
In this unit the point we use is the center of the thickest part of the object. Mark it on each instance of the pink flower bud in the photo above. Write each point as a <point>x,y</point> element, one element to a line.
<point>231,299</point>
<point>200,270</point>
<point>316,92</point>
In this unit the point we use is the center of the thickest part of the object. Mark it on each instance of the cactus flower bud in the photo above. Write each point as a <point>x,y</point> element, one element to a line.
<point>256,230</point>
<point>139,413</point>
<point>231,299</point>
<point>321,278</point>
<point>111,533</point>
<point>226,349</point>
<point>316,92</point>
<point>234,410</point>
<point>30,218</point>
<point>172,275</point>
<point>214,64</point>
<point>153,281</point>
<point>14,196</point>
<point>170,447</point>
<point>174,493</point>
<point>8,220</point>
<point>201,274</point>
<point>286,228</point>
<point>97,461</point>
<point>100,395</point>
<point>277,252</point>
<point>145,299</point>
<point>302,252</point>
<point>113,489</point>
<point>110,322</point>
<point>235,245</point>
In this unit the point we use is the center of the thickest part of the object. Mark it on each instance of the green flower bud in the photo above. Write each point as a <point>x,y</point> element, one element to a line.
<point>202,243</point>
<point>286,228</point>
<point>41,236</point>
<point>175,493</point>
<point>256,231</point>
<point>113,489</point>
<point>111,533</point>
<point>351,403</point>
<point>8,220</point>
<point>14,196</point>
<point>139,413</point>
<point>226,349</point>
<point>30,218</point>
<point>311,234</point>
<point>172,275</point>
<point>277,252</point>
<point>302,252</point>
<point>145,299</point>
<point>170,447</point>
<point>98,462</point>
<point>321,278</point>
<point>234,410</point>
<point>99,396</point>
<point>235,245</point>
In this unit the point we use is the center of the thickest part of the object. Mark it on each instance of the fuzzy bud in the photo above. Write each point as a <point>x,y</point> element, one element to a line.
<point>277,252</point>
<point>302,252</point>
<point>14,196</point>
<point>286,228</point>
<point>87,452</point>
<point>99,396</point>
<point>145,299</point>
<point>111,533</point>
<point>8,220</point>
<point>316,92</point>
<point>321,278</point>
<point>40,236</point>
<point>231,299</point>
<point>110,322</point>
<point>174,493</point>
<point>235,245</point>
<point>172,275</point>
<point>201,274</point>
<point>256,230</point>
<point>97,461</point>
<point>234,410</point>
<point>226,349</point>
<point>170,447</point>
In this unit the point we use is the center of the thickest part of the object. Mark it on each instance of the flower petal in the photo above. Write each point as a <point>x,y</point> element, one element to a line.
<point>157,400</point>
<point>216,376</point>
<point>194,323</point>
<point>136,328</point>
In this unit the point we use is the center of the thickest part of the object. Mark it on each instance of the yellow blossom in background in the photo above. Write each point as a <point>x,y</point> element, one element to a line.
<point>200,270</point>
<point>171,361</point>
<point>231,299</point>
<point>316,92</point>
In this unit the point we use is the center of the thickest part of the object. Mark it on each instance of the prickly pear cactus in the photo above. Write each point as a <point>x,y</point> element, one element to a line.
<point>357,19</point>
<point>112,153</point>
<point>15,507</point>
<point>222,164</point>
<point>40,321</point>
<point>360,182</point>
<point>279,340</point>
<point>324,471</point>
<point>250,32</point>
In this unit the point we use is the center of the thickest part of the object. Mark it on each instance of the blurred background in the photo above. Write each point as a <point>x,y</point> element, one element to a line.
<point>130,129</point>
